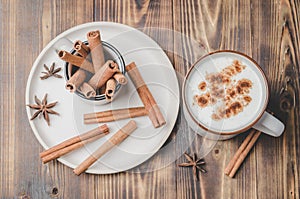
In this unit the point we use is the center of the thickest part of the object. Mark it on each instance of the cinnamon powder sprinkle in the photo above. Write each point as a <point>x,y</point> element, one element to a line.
<point>244,86</point>
<point>202,100</point>
<point>236,107</point>
<point>247,99</point>
<point>222,88</point>
<point>202,86</point>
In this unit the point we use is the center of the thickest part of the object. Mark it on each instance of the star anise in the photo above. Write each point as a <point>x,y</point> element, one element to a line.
<point>51,72</point>
<point>43,108</point>
<point>195,163</point>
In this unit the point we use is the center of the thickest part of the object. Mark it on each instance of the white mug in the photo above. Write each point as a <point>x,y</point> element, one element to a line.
<point>226,93</point>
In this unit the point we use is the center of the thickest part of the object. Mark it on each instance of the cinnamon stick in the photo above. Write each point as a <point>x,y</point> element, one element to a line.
<point>79,76</point>
<point>70,68</point>
<point>102,89</point>
<point>242,153</point>
<point>156,109</point>
<point>114,115</point>
<point>103,74</point>
<point>76,80</point>
<point>87,90</point>
<point>63,151</point>
<point>108,98</point>
<point>116,139</point>
<point>110,87</point>
<point>149,102</point>
<point>120,78</point>
<point>82,49</point>
<point>94,132</point>
<point>76,60</point>
<point>96,47</point>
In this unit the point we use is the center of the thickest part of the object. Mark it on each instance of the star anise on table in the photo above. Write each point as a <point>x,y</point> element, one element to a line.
<point>52,71</point>
<point>195,163</point>
<point>43,108</point>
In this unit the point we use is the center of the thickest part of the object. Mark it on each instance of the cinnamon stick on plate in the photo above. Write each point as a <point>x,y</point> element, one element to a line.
<point>96,47</point>
<point>70,68</point>
<point>110,87</point>
<point>82,49</point>
<point>69,144</point>
<point>115,140</point>
<point>242,153</point>
<point>77,145</point>
<point>103,74</point>
<point>114,115</point>
<point>76,80</point>
<point>76,60</point>
<point>87,90</point>
<point>120,78</point>
<point>149,102</point>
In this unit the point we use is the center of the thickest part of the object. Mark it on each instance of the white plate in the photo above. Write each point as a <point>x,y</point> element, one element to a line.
<point>157,72</point>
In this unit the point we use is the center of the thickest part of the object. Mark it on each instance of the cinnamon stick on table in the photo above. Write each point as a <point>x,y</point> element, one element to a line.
<point>115,140</point>
<point>101,130</point>
<point>242,153</point>
<point>114,115</point>
<point>96,47</point>
<point>149,102</point>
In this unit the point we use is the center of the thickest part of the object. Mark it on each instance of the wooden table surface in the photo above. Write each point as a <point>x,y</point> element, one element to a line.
<point>268,31</point>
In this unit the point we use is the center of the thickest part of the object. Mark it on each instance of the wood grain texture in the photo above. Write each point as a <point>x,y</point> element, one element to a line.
<point>268,31</point>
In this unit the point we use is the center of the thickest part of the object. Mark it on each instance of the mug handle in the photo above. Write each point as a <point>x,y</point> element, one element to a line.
<point>270,125</point>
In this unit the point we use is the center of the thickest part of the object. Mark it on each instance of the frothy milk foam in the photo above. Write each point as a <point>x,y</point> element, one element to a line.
<point>216,63</point>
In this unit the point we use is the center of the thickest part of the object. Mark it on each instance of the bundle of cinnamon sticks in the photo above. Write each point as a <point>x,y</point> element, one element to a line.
<point>73,143</point>
<point>115,140</point>
<point>150,106</point>
<point>242,153</point>
<point>93,75</point>
<point>148,100</point>
<point>90,136</point>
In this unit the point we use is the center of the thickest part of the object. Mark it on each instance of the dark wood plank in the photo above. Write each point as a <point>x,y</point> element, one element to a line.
<point>234,25</point>
<point>27,26</point>
<point>279,47</point>
<point>6,100</point>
